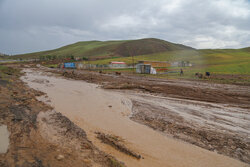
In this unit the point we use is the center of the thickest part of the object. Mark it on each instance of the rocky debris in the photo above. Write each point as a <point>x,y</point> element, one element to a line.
<point>60,157</point>
<point>116,142</point>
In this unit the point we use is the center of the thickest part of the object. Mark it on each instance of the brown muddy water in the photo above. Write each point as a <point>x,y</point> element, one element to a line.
<point>95,109</point>
<point>4,139</point>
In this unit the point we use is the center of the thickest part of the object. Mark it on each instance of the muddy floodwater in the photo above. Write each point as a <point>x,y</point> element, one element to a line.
<point>4,139</point>
<point>98,110</point>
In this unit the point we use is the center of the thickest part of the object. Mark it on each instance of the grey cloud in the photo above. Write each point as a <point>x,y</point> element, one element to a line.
<point>33,25</point>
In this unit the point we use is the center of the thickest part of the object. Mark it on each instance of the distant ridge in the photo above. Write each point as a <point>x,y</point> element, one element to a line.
<point>108,49</point>
<point>246,49</point>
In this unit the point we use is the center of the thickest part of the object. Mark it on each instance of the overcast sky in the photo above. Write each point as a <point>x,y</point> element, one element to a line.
<point>35,25</point>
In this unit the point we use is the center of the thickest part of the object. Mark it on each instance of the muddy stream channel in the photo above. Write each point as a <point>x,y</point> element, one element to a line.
<point>98,110</point>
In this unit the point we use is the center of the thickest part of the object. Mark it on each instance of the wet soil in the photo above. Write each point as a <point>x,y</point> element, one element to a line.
<point>237,95</point>
<point>117,143</point>
<point>39,136</point>
<point>217,138</point>
<point>221,124</point>
<point>94,109</point>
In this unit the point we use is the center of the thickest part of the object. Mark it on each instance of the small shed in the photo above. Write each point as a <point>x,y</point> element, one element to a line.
<point>143,68</point>
<point>69,65</point>
<point>117,64</point>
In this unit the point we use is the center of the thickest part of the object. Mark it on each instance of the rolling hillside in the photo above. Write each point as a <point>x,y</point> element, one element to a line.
<point>109,49</point>
<point>220,61</point>
<point>246,49</point>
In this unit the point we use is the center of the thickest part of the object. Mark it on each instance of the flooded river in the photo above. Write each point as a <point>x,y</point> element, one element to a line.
<point>95,109</point>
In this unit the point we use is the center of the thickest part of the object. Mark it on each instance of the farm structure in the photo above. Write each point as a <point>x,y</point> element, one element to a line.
<point>143,68</point>
<point>155,63</point>
<point>67,65</point>
<point>117,64</point>
<point>181,64</point>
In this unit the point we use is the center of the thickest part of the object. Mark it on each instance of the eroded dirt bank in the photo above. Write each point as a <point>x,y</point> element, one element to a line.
<point>39,136</point>
<point>94,110</point>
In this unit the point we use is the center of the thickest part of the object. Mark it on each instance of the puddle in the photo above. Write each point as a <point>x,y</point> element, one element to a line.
<point>4,139</point>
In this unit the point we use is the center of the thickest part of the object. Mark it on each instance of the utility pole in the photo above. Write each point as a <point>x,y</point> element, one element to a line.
<point>131,52</point>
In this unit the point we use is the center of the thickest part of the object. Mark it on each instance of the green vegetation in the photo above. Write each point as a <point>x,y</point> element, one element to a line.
<point>222,61</point>
<point>225,65</point>
<point>170,56</point>
<point>51,65</point>
<point>107,49</point>
<point>115,163</point>
<point>6,74</point>
<point>217,61</point>
<point>226,61</point>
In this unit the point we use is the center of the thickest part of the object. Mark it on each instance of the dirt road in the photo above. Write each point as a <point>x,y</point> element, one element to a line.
<point>111,112</point>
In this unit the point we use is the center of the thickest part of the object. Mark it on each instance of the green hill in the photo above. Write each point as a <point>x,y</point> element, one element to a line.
<point>219,61</point>
<point>246,49</point>
<point>109,49</point>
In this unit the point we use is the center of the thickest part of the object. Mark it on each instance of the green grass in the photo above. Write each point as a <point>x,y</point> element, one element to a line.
<point>182,55</point>
<point>217,61</point>
<point>51,65</point>
<point>108,49</point>
<point>79,49</point>
<point>6,73</point>
<point>115,163</point>
<point>226,61</point>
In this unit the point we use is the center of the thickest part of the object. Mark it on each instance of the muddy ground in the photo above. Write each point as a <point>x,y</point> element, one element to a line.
<point>209,115</point>
<point>39,136</point>
<point>184,89</point>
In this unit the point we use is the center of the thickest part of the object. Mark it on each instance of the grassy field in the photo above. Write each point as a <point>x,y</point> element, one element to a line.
<point>226,61</point>
<point>6,73</point>
<point>225,65</point>
<point>216,61</point>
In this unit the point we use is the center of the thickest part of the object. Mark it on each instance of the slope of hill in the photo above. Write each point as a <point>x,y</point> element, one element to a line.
<point>246,49</point>
<point>108,49</point>
<point>222,61</point>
